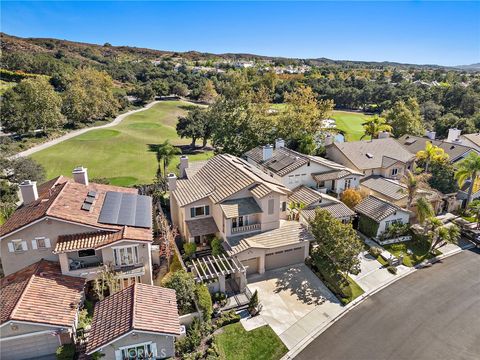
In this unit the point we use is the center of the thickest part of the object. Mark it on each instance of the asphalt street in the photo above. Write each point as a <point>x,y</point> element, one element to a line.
<point>433,313</point>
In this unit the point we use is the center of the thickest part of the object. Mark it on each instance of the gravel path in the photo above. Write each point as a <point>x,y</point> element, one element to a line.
<point>72,134</point>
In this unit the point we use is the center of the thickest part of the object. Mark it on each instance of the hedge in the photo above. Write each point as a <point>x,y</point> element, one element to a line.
<point>204,301</point>
<point>367,226</point>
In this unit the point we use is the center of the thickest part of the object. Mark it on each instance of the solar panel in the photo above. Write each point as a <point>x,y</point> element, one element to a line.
<point>92,194</point>
<point>89,200</point>
<point>126,209</point>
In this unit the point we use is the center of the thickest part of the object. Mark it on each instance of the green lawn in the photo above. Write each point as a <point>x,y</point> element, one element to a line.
<point>259,344</point>
<point>120,153</point>
<point>419,249</point>
<point>5,85</point>
<point>350,123</point>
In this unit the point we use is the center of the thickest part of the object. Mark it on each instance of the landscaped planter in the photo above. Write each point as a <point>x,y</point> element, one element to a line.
<point>394,240</point>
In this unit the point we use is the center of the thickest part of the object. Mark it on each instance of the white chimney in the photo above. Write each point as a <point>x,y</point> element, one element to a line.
<point>29,192</point>
<point>430,134</point>
<point>454,135</point>
<point>279,143</point>
<point>183,165</point>
<point>267,152</point>
<point>383,135</point>
<point>172,182</point>
<point>80,175</point>
<point>329,139</point>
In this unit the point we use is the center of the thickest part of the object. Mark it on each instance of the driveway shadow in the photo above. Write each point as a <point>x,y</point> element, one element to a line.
<point>295,281</point>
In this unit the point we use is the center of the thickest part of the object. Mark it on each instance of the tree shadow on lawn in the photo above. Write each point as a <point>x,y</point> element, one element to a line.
<point>185,149</point>
<point>293,280</point>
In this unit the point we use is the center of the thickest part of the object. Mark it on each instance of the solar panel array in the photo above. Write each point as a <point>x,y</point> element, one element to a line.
<point>88,202</point>
<point>281,162</point>
<point>126,209</point>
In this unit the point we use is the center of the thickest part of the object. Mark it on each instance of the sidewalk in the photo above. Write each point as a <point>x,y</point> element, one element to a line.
<point>372,281</point>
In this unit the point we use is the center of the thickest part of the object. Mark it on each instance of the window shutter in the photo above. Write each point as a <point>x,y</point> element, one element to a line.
<point>24,245</point>
<point>10,247</point>
<point>47,243</point>
<point>207,210</point>
<point>153,347</point>
<point>192,212</point>
<point>34,244</point>
<point>118,354</point>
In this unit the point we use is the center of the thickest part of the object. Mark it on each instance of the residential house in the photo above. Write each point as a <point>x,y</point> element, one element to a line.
<point>453,147</point>
<point>39,311</point>
<point>384,157</point>
<point>471,140</point>
<point>376,215</point>
<point>396,192</point>
<point>229,198</point>
<point>83,226</point>
<point>138,322</point>
<point>293,169</point>
<point>313,199</point>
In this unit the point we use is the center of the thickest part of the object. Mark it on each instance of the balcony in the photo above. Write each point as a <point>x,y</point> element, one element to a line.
<point>134,269</point>
<point>246,228</point>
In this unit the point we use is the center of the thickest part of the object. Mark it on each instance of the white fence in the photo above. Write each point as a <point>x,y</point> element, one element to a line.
<point>394,240</point>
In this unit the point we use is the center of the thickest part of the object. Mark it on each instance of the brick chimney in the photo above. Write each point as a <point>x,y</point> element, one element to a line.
<point>183,165</point>
<point>80,175</point>
<point>29,192</point>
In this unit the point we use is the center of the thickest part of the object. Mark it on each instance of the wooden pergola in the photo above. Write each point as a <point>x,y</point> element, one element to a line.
<point>216,266</point>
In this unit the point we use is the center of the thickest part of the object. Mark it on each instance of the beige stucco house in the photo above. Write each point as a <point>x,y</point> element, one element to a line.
<point>232,199</point>
<point>83,226</point>
<point>138,322</point>
<point>39,311</point>
<point>294,169</point>
<point>384,157</point>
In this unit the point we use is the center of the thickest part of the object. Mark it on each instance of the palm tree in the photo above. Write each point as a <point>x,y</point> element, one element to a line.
<point>374,126</point>
<point>424,210</point>
<point>474,206</point>
<point>431,153</point>
<point>468,168</point>
<point>165,153</point>
<point>439,234</point>
<point>413,183</point>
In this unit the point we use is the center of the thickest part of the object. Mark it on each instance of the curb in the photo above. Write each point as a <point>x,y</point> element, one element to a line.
<point>302,344</point>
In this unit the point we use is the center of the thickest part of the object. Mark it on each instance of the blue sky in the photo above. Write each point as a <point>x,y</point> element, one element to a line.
<point>446,33</point>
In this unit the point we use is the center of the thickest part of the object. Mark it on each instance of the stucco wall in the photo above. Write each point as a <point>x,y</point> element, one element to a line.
<point>400,215</point>
<point>14,261</point>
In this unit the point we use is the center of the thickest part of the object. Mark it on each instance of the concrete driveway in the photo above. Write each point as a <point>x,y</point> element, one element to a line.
<point>288,295</point>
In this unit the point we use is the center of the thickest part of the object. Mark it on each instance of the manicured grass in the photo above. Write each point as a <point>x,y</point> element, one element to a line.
<point>5,85</point>
<point>350,123</point>
<point>121,153</point>
<point>419,252</point>
<point>259,344</point>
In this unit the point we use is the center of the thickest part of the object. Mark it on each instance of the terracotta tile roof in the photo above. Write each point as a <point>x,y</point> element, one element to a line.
<point>63,198</point>
<point>305,195</point>
<point>40,293</point>
<point>138,307</point>
<point>335,174</point>
<point>221,177</point>
<point>337,210</point>
<point>289,233</point>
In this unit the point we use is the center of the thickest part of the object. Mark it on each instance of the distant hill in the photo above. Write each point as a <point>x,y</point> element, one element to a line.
<point>94,53</point>
<point>472,67</point>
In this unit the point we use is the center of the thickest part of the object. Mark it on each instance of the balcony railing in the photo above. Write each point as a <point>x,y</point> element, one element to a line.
<point>79,265</point>
<point>241,229</point>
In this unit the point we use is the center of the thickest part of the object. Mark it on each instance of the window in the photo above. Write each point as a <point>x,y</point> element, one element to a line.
<point>139,351</point>
<point>17,246</point>
<point>203,210</point>
<point>284,206</point>
<point>348,183</point>
<point>391,222</point>
<point>321,184</point>
<point>240,221</point>
<point>85,253</point>
<point>394,171</point>
<point>290,179</point>
<point>127,255</point>
<point>271,206</point>
<point>40,243</point>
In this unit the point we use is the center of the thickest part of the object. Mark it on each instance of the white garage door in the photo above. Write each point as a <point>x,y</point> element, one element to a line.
<point>30,347</point>
<point>287,257</point>
<point>252,265</point>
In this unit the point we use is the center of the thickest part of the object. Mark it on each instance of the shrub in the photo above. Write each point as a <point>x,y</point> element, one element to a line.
<point>189,249</point>
<point>367,226</point>
<point>175,265</point>
<point>65,352</point>
<point>375,251</point>
<point>217,247</point>
<point>227,318</point>
<point>392,270</point>
<point>351,197</point>
<point>184,285</point>
<point>253,302</point>
<point>204,301</point>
